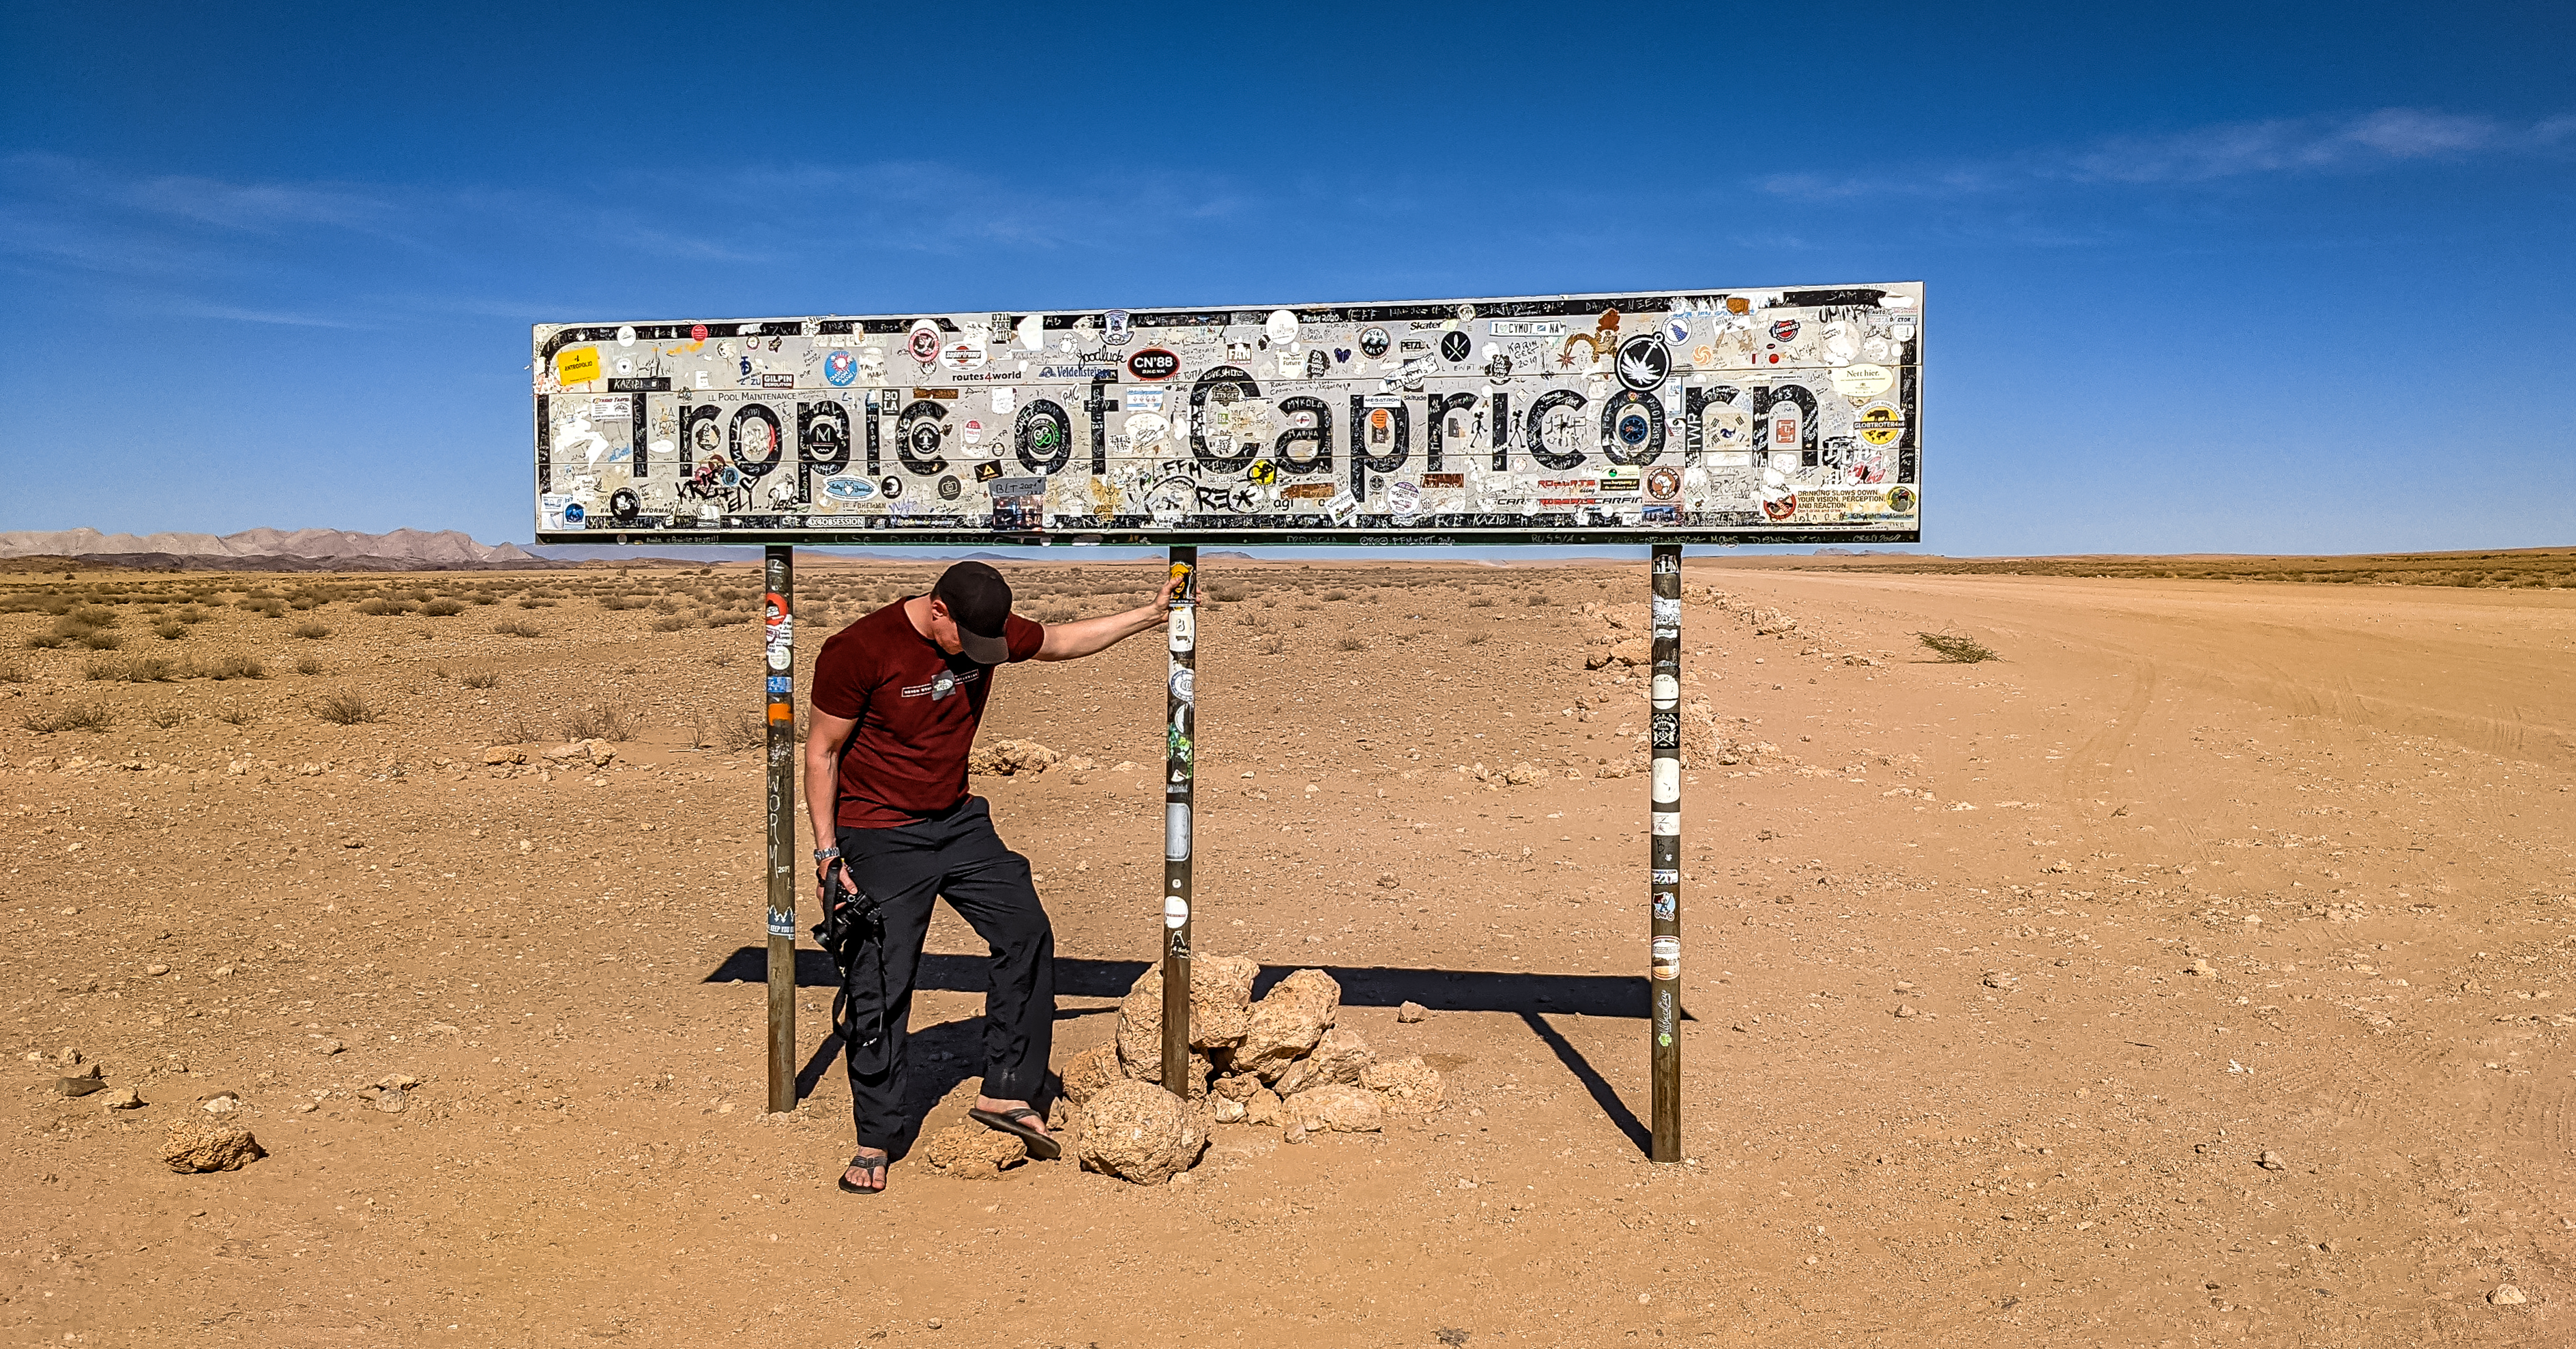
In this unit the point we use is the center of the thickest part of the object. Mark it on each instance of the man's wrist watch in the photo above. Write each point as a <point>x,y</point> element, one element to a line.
<point>822,855</point>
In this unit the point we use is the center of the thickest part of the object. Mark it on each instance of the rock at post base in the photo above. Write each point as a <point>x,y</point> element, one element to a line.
<point>1287,1023</point>
<point>1407,1085</point>
<point>1150,1069</point>
<point>1139,1132</point>
<point>972,1152</point>
<point>1337,1106</point>
<point>1262,1107</point>
<point>1087,1072</point>
<point>1338,1057</point>
<point>209,1145</point>
<point>1220,1007</point>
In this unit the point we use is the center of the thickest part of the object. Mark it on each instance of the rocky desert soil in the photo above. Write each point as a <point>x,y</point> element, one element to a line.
<point>2195,973</point>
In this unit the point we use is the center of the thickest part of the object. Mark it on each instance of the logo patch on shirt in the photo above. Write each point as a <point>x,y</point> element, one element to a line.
<point>947,682</point>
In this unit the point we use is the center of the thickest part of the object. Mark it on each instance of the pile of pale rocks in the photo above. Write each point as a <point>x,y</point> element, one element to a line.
<point>1279,1062</point>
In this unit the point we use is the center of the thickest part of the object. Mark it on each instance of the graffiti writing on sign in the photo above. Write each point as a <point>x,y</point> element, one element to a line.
<point>1771,414</point>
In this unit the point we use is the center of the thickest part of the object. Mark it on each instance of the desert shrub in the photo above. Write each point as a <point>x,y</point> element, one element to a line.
<point>102,640</point>
<point>310,631</point>
<point>1538,597</point>
<point>729,619</point>
<point>372,607</point>
<point>234,666</point>
<point>480,679</point>
<point>1335,595</point>
<point>169,630</point>
<point>308,665</point>
<point>15,672</point>
<point>1481,602</point>
<point>103,669</point>
<point>516,729</point>
<point>516,629</point>
<point>166,717</point>
<point>599,722</point>
<point>235,715</point>
<point>91,616</point>
<point>1479,638</point>
<point>193,614</point>
<point>1956,649</point>
<point>346,707</point>
<point>741,731</point>
<point>442,608</point>
<point>1352,644</point>
<point>76,717</point>
<point>47,641</point>
<point>673,623</point>
<point>1228,594</point>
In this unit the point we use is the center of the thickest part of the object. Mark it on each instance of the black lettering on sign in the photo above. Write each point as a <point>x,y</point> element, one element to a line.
<point>639,437</point>
<point>877,406</point>
<point>1695,400</point>
<point>1502,431</point>
<point>768,435</point>
<point>1320,435</point>
<point>1632,428</point>
<point>1767,397</point>
<point>916,438</point>
<point>700,436</point>
<point>822,443</point>
<point>1381,439</point>
<point>1043,435</point>
<point>1100,405</point>
<point>545,444</point>
<point>1435,417</point>
<point>1225,385</point>
<point>1536,440</point>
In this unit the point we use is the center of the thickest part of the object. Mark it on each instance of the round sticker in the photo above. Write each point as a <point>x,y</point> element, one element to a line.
<point>1455,346</point>
<point>1663,485</point>
<point>1153,363</point>
<point>1644,362</point>
<point>1373,342</point>
<point>1784,330</point>
<point>840,368</point>
<point>624,504</point>
<point>626,335</point>
<point>1881,424</point>
<point>924,438</point>
<point>949,488</point>
<point>892,487</point>
<point>923,341</point>
<point>1263,472</point>
<point>1632,427</point>
<point>572,513</point>
<point>1282,326</point>
<point>974,431</point>
<point>697,332</point>
<point>1901,500</point>
<point>1404,498</point>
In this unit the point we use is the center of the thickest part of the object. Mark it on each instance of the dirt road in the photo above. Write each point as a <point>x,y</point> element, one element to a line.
<point>2005,979</point>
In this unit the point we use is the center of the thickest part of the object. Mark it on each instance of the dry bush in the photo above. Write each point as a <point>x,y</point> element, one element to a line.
<point>15,672</point>
<point>1229,594</point>
<point>442,609</point>
<point>1335,595</point>
<point>90,616</point>
<point>77,717</point>
<point>1479,638</point>
<point>516,629</point>
<point>308,665</point>
<point>235,715</point>
<point>309,630</point>
<point>375,607</point>
<point>1538,597</point>
<point>166,717</point>
<point>599,722</point>
<point>1353,644</point>
<point>1481,602</point>
<point>728,620</point>
<point>234,666</point>
<point>741,731</point>
<point>1955,649</point>
<point>480,679</point>
<point>346,707</point>
<point>101,641</point>
<point>193,614</point>
<point>480,598</point>
<point>102,669</point>
<point>673,623</point>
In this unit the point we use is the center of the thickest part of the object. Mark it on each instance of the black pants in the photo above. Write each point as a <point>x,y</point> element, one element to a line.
<point>904,868</point>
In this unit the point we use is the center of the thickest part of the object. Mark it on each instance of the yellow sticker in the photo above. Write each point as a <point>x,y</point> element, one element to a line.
<point>574,365</point>
<point>1881,425</point>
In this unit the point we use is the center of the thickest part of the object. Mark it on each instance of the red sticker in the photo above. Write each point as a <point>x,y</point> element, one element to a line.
<point>697,332</point>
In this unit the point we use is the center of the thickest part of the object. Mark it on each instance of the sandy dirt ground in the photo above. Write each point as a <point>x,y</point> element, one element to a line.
<point>2197,973</point>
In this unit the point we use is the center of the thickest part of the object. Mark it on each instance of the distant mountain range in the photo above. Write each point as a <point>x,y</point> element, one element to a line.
<point>273,550</point>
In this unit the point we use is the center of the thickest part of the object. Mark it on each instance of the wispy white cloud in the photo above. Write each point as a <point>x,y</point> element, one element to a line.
<point>236,314</point>
<point>2354,143</point>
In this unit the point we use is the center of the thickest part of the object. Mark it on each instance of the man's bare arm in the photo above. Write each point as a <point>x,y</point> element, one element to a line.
<point>1091,636</point>
<point>824,735</point>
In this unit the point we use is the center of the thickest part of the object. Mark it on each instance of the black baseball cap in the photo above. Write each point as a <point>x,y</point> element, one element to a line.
<point>980,600</point>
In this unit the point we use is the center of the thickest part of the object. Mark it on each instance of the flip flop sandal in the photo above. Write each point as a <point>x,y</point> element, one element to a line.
<point>1041,1146</point>
<point>876,1166</point>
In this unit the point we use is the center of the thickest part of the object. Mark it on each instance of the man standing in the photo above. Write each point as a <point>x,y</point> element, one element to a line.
<point>897,697</point>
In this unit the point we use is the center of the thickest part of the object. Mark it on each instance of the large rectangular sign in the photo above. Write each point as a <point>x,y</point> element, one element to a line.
<point>1754,416</point>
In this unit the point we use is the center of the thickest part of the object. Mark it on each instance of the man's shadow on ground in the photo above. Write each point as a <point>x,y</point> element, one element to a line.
<point>944,1055</point>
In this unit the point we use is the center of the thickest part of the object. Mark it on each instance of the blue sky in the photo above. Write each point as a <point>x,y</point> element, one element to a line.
<point>2251,278</point>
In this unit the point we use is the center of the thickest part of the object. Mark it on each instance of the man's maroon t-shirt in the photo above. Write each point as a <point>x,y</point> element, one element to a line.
<point>916,708</point>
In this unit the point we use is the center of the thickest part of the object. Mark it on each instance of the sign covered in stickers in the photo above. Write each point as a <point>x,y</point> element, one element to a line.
<point>1757,416</point>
